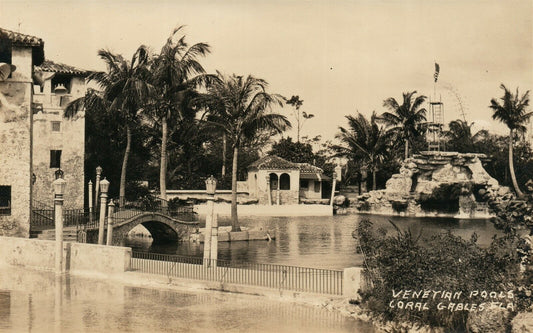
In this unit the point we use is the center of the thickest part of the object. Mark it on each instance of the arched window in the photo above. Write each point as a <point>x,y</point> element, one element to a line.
<point>284,182</point>
<point>273,181</point>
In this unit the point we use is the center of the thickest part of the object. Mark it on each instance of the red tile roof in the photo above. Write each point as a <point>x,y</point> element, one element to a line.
<point>50,66</point>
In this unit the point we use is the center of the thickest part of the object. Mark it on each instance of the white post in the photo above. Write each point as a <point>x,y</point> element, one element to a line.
<point>208,229</point>
<point>90,201</point>
<point>333,189</point>
<point>97,185</point>
<point>110,223</point>
<point>104,184</point>
<point>59,188</point>
<point>214,239</point>
<point>268,190</point>
<point>210,186</point>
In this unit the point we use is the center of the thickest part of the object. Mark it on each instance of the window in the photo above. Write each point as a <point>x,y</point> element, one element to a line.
<point>56,126</point>
<point>304,184</point>
<point>55,158</point>
<point>284,182</point>
<point>317,186</point>
<point>5,200</point>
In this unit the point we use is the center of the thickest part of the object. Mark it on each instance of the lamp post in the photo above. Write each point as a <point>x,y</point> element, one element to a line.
<point>59,188</point>
<point>210,186</point>
<point>104,186</point>
<point>97,185</point>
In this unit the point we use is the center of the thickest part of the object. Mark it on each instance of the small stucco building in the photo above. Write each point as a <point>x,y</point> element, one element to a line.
<point>276,181</point>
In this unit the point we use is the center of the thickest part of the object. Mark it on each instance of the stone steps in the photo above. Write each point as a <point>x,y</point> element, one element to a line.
<point>69,234</point>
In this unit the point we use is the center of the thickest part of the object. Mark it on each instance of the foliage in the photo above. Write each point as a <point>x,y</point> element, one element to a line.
<point>302,152</point>
<point>365,141</point>
<point>442,262</point>
<point>405,119</point>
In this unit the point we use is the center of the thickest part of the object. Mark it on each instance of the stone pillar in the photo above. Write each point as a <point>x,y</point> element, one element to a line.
<point>103,203</point>
<point>278,199</point>
<point>351,282</point>
<point>210,185</point>
<point>59,188</point>
<point>214,239</point>
<point>333,189</point>
<point>269,193</point>
<point>97,185</point>
<point>110,223</point>
<point>90,185</point>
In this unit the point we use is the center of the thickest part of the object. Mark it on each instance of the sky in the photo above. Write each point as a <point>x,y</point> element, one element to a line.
<point>340,57</point>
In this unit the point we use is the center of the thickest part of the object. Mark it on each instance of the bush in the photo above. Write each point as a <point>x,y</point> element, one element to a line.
<point>442,262</point>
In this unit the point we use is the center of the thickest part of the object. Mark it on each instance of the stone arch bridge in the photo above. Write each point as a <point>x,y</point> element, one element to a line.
<point>163,227</point>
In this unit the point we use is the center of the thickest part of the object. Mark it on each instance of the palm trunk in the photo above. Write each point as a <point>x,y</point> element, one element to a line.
<point>224,155</point>
<point>406,148</point>
<point>163,166</point>
<point>122,191</point>
<point>373,179</point>
<point>234,218</point>
<point>511,166</point>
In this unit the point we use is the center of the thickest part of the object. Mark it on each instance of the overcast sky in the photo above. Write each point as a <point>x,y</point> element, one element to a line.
<point>340,56</point>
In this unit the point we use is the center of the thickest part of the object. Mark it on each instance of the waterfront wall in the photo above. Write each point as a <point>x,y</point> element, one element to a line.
<point>224,209</point>
<point>77,257</point>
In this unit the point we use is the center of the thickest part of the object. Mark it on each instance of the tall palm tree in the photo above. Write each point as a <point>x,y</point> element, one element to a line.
<point>241,108</point>
<point>174,73</point>
<point>405,119</point>
<point>365,141</point>
<point>513,113</point>
<point>124,90</point>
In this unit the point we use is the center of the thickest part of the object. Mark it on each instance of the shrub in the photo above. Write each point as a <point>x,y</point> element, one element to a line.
<point>442,262</point>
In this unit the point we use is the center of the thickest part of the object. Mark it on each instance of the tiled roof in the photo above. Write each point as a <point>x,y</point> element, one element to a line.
<point>272,162</point>
<point>50,66</point>
<point>21,39</point>
<point>308,168</point>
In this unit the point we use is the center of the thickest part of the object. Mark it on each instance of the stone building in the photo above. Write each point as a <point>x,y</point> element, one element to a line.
<point>59,142</point>
<point>35,139</point>
<point>276,181</point>
<point>18,54</point>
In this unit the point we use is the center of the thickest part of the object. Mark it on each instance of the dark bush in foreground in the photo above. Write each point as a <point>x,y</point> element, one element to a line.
<point>401,264</point>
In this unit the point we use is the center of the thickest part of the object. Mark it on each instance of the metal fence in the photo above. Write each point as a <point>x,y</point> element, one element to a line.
<point>44,218</point>
<point>302,279</point>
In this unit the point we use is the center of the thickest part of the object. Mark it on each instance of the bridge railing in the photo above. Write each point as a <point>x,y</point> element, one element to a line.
<point>154,204</point>
<point>282,277</point>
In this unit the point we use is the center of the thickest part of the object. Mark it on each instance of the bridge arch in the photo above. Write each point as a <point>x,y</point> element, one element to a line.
<point>163,228</point>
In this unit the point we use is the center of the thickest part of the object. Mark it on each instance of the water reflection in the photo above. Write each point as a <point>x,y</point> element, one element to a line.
<point>75,304</point>
<point>322,242</point>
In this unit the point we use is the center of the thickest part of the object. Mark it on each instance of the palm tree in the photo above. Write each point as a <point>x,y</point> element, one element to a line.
<point>460,136</point>
<point>174,70</point>
<point>513,113</point>
<point>405,118</point>
<point>241,107</point>
<point>365,141</point>
<point>123,89</point>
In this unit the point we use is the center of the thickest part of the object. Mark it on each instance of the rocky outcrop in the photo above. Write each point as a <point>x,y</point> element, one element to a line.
<point>423,174</point>
<point>522,323</point>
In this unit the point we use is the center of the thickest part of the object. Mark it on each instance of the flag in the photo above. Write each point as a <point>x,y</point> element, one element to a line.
<point>437,70</point>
